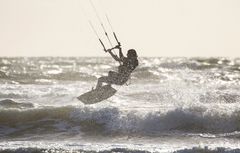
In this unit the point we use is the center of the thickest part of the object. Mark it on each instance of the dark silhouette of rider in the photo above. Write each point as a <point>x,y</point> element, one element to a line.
<point>127,65</point>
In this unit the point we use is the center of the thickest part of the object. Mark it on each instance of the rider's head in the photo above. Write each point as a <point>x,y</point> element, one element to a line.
<point>132,53</point>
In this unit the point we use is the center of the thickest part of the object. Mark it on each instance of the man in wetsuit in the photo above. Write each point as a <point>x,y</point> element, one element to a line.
<point>127,65</point>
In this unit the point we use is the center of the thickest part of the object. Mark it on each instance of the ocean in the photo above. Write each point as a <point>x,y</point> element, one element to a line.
<point>169,105</point>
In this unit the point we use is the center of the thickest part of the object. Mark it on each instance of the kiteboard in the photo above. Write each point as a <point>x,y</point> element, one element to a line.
<point>97,95</point>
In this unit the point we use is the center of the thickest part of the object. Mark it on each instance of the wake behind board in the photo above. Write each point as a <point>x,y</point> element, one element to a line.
<point>97,95</point>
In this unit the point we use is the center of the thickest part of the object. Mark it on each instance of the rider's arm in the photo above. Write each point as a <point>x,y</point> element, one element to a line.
<point>121,56</point>
<point>114,56</point>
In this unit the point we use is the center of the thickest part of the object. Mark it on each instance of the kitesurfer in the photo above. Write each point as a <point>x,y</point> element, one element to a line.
<point>127,65</point>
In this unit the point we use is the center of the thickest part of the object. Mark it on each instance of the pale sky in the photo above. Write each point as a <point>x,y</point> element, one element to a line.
<point>152,27</point>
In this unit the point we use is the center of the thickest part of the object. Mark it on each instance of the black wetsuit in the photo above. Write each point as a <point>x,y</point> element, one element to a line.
<point>128,64</point>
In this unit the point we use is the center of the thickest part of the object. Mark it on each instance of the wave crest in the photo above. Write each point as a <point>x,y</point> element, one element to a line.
<point>8,103</point>
<point>114,121</point>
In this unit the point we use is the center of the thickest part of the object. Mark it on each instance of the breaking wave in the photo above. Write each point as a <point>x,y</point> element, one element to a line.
<point>8,103</point>
<point>114,121</point>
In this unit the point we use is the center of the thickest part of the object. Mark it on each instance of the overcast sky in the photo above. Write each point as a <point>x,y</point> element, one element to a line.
<point>152,27</point>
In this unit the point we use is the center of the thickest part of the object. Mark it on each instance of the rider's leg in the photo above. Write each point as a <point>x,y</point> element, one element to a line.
<point>112,78</point>
<point>101,80</point>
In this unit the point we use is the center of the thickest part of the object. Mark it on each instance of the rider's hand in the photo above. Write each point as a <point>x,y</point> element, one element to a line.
<point>118,46</point>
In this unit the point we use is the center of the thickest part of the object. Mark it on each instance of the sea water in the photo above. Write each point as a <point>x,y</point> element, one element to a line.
<point>180,105</point>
